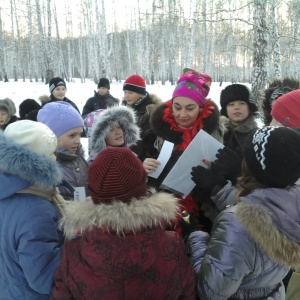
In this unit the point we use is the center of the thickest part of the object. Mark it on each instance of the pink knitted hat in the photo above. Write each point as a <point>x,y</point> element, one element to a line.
<point>194,85</point>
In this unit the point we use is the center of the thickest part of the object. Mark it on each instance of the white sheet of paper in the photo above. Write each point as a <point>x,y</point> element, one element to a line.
<point>179,179</point>
<point>79,194</point>
<point>164,156</point>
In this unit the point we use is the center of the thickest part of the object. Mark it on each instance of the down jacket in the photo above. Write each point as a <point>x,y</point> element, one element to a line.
<point>30,242</point>
<point>252,246</point>
<point>74,168</point>
<point>124,252</point>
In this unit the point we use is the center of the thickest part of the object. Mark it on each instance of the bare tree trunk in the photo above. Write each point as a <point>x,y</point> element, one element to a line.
<point>2,51</point>
<point>13,45</point>
<point>275,41</point>
<point>260,55</point>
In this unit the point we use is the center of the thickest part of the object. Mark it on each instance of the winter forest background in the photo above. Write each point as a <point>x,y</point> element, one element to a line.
<point>233,41</point>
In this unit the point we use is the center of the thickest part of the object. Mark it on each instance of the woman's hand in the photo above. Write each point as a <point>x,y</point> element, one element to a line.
<point>150,165</point>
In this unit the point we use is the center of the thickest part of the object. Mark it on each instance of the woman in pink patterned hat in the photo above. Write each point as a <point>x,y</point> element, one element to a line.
<point>179,120</point>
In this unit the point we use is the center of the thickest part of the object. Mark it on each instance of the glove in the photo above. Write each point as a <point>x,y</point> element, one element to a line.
<point>188,228</point>
<point>229,162</point>
<point>207,178</point>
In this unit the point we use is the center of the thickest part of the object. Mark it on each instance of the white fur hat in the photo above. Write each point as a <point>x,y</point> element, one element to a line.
<point>35,135</point>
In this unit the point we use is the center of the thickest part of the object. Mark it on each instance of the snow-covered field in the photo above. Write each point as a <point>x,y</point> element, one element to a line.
<point>79,92</point>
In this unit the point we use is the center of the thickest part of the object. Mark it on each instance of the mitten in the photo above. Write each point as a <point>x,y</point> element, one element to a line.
<point>207,178</point>
<point>190,226</point>
<point>229,163</point>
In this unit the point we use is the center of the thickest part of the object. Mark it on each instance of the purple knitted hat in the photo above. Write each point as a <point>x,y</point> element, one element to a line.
<point>194,85</point>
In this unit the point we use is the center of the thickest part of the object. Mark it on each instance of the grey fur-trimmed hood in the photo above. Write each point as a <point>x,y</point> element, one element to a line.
<point>21,161</point>
<point>122,115</point>
<point>274,224</point>
<point>156,209</point>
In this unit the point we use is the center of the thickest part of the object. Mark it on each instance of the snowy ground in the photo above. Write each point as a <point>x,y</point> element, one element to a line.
<point>79,92</point>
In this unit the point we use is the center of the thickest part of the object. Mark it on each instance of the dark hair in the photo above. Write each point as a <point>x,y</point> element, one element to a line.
<point>247,183</point>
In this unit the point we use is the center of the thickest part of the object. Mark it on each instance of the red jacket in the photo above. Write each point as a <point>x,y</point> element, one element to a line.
<point>125,254</point>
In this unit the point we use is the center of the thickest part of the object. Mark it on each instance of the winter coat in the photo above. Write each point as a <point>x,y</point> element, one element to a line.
<point>74,168</point>
<point>124,117</point>
<point>143,109</point>
<point>99,102</point>
<point>11,120</point>
<point>293,290</point>
<point>53,99</point>
<point>30,242</point>
<point>252,246</point>
<point>8,106</point>
<point>235,136</point>
<point>123,252</point>
<point>165,128</point>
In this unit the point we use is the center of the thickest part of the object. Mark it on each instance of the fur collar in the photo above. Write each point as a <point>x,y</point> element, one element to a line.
<point>164,126</point>
<point>249,125</point>
<point>30,166</point>
<point>259,224</point>
<point>122,115</point>
<point>156,209</point>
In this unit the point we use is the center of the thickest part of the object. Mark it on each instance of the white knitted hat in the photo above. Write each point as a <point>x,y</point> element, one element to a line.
<point>34,135</point>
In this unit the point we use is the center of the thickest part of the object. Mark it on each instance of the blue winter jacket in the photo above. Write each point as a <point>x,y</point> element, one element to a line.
<point>30,243</point>
<point>252,246</point>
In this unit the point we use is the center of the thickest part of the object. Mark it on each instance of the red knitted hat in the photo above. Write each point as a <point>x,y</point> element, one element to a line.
<point>116,174</point>
<point>286,109</point>
<point>135,83</point>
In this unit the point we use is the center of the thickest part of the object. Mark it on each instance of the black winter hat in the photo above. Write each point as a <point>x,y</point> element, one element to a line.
<point>273,156</point>
<point>104,82</point>
<point>235,92</point>
<point>26,107</point>
<point>55,82</point>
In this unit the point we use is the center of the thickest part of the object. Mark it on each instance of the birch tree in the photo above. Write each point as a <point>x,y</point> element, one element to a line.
<point>260,55</point>
<point>275,40</point>
<point>2,51</point>
<point>13,43</point>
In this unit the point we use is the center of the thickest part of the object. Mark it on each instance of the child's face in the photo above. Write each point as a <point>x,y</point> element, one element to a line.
<point>115,138</point>
<point>131,97</point>
<point>59,92</point>
<point>237,111</point>
<point>70,140</point>
<point>102,90</point>
<point>274,122</point>
<point>4,117</point>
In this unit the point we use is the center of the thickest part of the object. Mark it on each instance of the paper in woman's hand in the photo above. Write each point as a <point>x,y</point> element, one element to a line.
<point>179,179</point>
<point>163,158</point>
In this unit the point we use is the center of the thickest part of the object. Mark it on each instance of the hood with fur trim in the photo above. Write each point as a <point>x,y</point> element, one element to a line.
<point>286,84</point>
<point>154,210</point>
<point>25,167</point>
<point>271,216</point>
<point>122,115</point>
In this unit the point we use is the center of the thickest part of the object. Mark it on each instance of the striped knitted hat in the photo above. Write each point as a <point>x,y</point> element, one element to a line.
<point>286,109</point>
<point>116,174</point>
<point>135,83</point>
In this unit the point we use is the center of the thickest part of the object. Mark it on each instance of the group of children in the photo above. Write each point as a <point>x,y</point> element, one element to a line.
<point>116,242</point>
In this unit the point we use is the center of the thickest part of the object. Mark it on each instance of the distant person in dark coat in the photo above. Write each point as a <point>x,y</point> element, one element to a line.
<point>26,107</point>
<point>102,98</point>
<point>58,89</point>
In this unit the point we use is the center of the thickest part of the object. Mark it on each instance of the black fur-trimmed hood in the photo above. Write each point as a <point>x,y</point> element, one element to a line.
<point>34,168</point>
<point>156,209</point>
<point>122,115</point>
